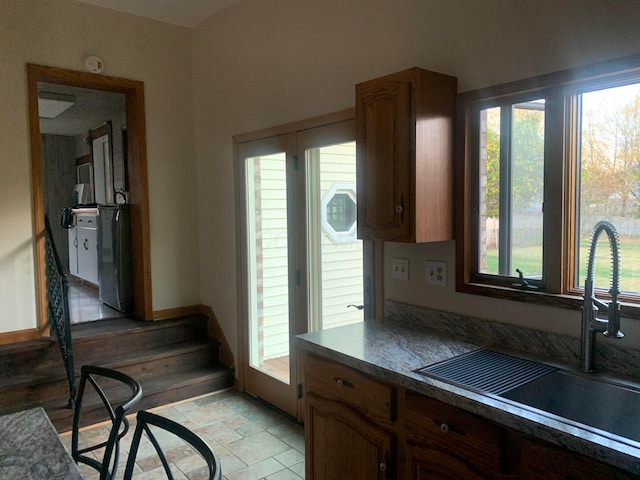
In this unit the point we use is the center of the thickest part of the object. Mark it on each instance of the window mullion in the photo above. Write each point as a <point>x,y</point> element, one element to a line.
<point>559,193</point>
<point>505,224</point>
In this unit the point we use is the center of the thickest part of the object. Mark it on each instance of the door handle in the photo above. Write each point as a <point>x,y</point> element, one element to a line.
<point>359,307</point>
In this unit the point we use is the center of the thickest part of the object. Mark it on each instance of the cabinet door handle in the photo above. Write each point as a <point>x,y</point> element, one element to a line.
<point>85,244</point>
<point>444,427</point>
<point>75,242</point>
<point>383,467</point>
<point>343,383</point>
<point>400,208</point>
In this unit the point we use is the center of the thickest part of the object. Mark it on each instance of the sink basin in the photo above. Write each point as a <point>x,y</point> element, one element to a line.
<point>609,407</point>
<point>605,406</point>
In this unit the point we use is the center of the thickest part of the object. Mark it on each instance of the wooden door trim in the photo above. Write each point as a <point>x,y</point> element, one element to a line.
<point>138,187</point>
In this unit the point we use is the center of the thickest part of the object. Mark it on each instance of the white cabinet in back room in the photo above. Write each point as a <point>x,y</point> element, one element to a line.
<point>83,247</point>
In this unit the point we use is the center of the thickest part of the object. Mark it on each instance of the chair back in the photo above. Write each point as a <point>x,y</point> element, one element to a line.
<point>145,420</point>
<point>123,393</point>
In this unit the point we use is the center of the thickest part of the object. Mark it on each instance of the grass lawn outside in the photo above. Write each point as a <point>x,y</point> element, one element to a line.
<point>529,260</point>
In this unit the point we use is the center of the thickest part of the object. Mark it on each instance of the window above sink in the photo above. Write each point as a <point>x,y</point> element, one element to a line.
<point>545,159</point>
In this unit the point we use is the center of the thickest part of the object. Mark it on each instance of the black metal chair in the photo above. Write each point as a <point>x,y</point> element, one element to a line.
<point>125,392</point>
<point>146,419</point>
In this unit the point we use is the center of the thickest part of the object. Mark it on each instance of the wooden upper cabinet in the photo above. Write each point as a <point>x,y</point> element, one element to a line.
<point>404,161</point>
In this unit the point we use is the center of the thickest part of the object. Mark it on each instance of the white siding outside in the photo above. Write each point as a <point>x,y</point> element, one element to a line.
<point>341,263</point>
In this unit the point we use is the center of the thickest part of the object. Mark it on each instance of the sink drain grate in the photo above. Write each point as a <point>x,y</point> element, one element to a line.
<point>487,371</point>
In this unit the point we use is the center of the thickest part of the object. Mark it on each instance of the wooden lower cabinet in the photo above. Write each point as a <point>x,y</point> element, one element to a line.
<point>542,460</point>
<point>445,442</point>
<point>360,428</point>
<point>349,427</point>
<point>424,462</point>
<point>342,444</point>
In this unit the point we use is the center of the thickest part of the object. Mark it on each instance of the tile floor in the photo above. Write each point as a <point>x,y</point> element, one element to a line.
<point>85,304</point>
<point>252,441</point>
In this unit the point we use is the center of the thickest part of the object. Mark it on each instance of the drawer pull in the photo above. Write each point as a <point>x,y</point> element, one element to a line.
<point>444,427</point>
<point>343,383</point>
<point>383,467</point>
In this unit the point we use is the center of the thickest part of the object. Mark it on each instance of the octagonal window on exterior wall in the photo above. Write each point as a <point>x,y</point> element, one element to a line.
<point>339,213</point>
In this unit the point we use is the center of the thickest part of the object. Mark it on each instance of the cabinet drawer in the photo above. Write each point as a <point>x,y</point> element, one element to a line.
<point>341,383</point>
<point>462,434</point>
<point>86,221</point>
<point>540,460</point>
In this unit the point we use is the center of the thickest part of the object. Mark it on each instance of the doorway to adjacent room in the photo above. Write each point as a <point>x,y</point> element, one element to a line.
<point>136,175</point>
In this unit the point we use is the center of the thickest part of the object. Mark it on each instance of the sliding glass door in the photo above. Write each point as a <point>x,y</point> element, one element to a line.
<point>301,260</point>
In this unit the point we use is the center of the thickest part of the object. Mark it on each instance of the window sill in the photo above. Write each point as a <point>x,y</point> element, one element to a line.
<point>572,302</point>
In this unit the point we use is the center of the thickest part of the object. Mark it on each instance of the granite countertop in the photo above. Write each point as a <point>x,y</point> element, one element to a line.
<point>30,448</point>
<point>392,350</point>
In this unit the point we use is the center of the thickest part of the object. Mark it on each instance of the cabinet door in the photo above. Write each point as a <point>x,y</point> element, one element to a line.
<point>404,139</point>
<point>73,250</point>
<point>385,134</point>
<point>341,443</point>
<point>88,254</point>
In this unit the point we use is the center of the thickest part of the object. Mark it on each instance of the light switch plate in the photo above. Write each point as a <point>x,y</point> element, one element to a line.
<point>400,269</point>
<point>436,273</point>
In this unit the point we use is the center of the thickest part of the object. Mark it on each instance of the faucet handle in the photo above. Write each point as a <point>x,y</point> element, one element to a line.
<point>613,325</point>
<point>523,283</point>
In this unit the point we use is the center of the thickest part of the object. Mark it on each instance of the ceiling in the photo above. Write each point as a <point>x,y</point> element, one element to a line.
<point>90,110</point>
<point>186,13</point>
<point>93,106</point>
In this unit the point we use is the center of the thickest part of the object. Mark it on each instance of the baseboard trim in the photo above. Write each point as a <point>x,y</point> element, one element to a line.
<point>176,312</point>
<point>18,336</point>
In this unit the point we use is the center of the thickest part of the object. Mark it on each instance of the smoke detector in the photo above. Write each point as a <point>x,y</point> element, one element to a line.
<point>93,64</point>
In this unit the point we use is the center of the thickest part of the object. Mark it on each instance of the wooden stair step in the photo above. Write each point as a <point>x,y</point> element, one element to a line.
<point>20,357</point>
<point>175,357</point>
<point>172,359</point>
<point>117,326</point>
<point>204,349</point>
<point>107,341</point>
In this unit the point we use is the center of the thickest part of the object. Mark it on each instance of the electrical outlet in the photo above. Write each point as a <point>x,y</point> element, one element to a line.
<point>436,273</point>
<point>400,269</point>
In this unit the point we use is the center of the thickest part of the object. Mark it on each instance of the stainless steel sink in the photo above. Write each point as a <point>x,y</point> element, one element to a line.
<point>581,398</point>
<point>606,406</point>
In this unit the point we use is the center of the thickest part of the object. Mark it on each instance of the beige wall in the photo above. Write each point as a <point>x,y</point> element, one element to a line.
<point>257,64</point>
<point>61,33</point>
<point>261,63</point>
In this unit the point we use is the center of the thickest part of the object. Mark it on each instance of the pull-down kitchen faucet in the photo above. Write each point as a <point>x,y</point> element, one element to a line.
<point>591,324</point>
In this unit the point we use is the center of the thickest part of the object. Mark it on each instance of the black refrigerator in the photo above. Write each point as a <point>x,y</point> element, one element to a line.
<point>115,272</point>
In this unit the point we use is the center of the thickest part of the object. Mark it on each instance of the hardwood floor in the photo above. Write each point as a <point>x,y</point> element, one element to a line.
<point>277,366</point>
